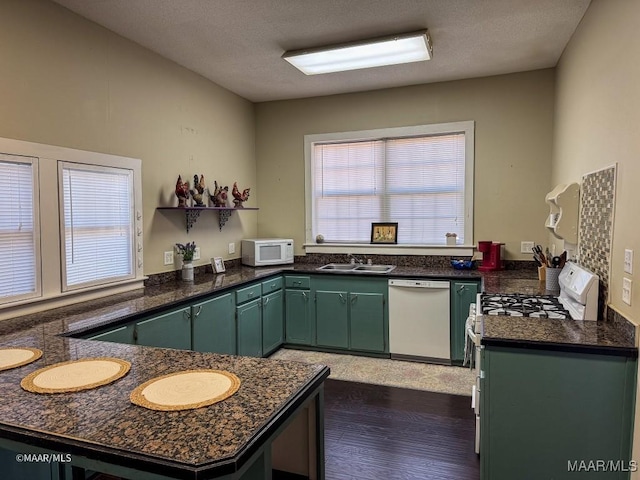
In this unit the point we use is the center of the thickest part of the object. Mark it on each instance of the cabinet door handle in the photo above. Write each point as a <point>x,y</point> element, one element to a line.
<point>342,299</point>
<point>265,301</point>
<point>297,283</point>
<point>195,315</point>
<point>250,294</point>
<point>273,285</point>
<point>304,294</point>
<point>354,297</point>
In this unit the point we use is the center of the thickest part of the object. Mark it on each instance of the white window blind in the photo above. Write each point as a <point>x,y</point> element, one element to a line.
<point>97,223</point>
<point>418,182</point>
<point>19,237</point>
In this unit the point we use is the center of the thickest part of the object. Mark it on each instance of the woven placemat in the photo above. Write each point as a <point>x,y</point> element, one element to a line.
<point>186,390</point>
<point>13,357</point>
<point>75,375</point>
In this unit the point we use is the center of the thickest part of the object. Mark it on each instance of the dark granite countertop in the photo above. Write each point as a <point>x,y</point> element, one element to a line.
<point>102,423</point>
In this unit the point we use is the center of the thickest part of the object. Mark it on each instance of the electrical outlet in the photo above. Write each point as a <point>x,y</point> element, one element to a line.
<point>232,247</point>
<point>168,258</point>
<point>626,290</point>
<point>196,253</point>
<point>526,247</point>
<point>628,261</point>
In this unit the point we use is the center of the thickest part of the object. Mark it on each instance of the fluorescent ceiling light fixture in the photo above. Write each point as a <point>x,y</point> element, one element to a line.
<point>391,50</point>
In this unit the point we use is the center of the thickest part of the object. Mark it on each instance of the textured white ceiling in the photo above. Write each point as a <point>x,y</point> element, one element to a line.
<point>238,43</point>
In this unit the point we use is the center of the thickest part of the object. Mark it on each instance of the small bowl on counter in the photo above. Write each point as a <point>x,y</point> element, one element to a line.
<point>463,264</point>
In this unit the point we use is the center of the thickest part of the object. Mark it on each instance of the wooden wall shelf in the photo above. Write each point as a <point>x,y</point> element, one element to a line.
<point>192,213</point>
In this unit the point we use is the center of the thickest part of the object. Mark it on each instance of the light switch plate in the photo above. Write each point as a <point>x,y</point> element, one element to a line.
<point>168,258</point>
<point>628,261</point>
<point>526,247</point>
<point>626,290</point>
<point>196,253</point>
<point>232,247</point>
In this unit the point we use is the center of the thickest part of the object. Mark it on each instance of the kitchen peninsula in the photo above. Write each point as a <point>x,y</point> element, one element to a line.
<point>101,430</point>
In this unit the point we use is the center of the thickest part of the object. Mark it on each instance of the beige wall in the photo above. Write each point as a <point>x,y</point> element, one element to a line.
<point>514,124</point>
<point>68,82</point>
<point>597,123</point>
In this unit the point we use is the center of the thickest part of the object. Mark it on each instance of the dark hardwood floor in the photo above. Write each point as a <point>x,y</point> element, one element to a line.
<point>374,432</point>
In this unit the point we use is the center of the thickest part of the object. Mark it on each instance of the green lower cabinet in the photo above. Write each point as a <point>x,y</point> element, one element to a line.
<point>463,294</point>
<point>123,334</point>
<point>214,325</point>
<point>249,328</point>
<point>351,313</point>
<point>170,330</point>
<point>367,327</point>
<point>298,317</point>
<point>272,322</point>
<point>333,308</point>
<point>553,415</point>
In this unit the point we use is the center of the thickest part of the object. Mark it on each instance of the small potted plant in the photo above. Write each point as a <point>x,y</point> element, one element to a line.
<point>187,250</point>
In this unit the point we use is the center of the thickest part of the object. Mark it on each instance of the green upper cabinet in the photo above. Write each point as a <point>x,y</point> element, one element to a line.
<point>333,309</point>
<point>272,321</point>
<point>543,411</point>
<point>170,330</point>
<point>367,321</point>
<point>123,334</point>
<point>214,325</point>
<point>351,313</point>
<point>299,327</point>
<point>463,294</point>
<point>249,328</point>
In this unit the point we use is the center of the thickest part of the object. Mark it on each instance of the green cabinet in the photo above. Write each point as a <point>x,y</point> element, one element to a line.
<point>214,325</point>
<point>332,311</point>
<point>351,313</point>
<point>463,294</point>
<point>123,334</point>
<point>249,328</point>
<point>543,412</point>
<point>299,324</point>
<point>367,327</point>
<point>169,330</point>
<point>272,322</point>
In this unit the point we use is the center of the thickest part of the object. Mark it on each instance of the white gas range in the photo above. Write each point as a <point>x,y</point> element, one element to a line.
<point>578,300</point>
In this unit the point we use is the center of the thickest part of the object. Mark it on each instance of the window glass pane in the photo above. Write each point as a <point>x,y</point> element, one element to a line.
<point>98,224</point>
<point>418,182</point>
<point>18,269</point>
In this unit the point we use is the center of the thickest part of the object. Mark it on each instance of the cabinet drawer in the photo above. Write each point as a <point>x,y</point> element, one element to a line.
<point>297,282</point>
<point>272,285</point>
<point>248,293</point>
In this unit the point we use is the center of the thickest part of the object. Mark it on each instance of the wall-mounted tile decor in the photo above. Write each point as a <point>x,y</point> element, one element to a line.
<point>597,205</point>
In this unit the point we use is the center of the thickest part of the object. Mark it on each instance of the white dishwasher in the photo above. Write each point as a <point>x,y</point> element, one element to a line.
<point>419,324</point>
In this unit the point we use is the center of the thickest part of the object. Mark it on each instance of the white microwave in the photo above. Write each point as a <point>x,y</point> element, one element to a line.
<point>259,252</point>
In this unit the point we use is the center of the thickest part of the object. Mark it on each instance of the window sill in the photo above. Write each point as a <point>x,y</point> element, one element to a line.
<point>365,248</point>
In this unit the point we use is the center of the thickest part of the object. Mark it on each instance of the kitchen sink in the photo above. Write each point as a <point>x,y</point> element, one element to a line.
<point>374,268</point>
<point>356,268</point>
<point>338,267</point>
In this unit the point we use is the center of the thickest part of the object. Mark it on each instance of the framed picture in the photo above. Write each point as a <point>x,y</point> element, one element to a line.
<point>384,233</point>
<point>218,264</point>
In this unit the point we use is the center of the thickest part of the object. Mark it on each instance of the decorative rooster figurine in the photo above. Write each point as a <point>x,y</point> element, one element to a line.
<point>182,192</point>
<point>239,198</point>
<point>219,197</point>
<point>196,194</point>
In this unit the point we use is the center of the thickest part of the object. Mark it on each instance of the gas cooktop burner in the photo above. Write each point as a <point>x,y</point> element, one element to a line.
<point>517,305</point>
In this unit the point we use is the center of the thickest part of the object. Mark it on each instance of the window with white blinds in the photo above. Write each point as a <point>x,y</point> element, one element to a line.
<point>19,235</point>
<point>424,182</point>
<point>97,224</point>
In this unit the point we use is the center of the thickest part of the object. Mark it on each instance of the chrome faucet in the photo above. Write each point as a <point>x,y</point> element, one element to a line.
<point>354,259</point>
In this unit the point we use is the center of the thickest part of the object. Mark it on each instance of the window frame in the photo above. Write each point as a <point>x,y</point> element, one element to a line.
<point>37,293</point>
<point>465,127</point>
<point>62,165</point>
